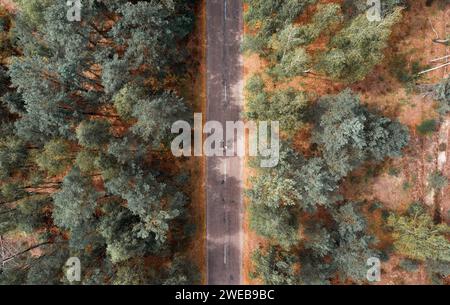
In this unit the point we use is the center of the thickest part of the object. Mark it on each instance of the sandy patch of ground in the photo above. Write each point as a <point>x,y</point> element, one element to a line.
<point>387,188</point>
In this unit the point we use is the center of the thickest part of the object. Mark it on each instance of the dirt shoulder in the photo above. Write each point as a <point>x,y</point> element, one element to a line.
<point>195,91</point>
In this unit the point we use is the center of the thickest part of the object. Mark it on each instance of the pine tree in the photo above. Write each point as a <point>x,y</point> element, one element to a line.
<point>356,49</point>
<point>75,202</point>
<point>419,238</point>
<point>274,266</point>
<point>349,134</point>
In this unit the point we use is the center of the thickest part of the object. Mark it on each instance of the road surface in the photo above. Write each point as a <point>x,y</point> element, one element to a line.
<point>224,174</point>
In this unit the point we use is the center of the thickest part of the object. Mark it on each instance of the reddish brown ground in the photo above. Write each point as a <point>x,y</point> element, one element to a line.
<point>314,84</point>
<point>193,90</point>
<point>8,4</point>
<point>196,92</point>
<point>380,90</point>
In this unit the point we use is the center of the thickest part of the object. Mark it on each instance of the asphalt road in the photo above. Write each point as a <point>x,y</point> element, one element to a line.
<point>224,174</point>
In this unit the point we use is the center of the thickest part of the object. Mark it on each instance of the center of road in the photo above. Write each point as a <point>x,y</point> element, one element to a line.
<point>224,175</point>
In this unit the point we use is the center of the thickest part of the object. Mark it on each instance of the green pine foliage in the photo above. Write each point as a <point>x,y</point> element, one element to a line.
<point>83,106</point>
<point>285,105</point>
<point>349,134</point>
<point>418,237</point>
<point>356,49</point>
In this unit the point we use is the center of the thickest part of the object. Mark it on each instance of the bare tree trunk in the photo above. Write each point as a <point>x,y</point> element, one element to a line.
<point>2,253</point>
<point>5,260</point>
<point>9,211</point>
<point>445,42</point>
<point>440,58</point>
<point>435,68</point>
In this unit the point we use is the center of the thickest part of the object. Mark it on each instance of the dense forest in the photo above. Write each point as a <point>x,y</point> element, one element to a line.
<point>313,234</point>
<point>86,169</point>
<point>85,164</point>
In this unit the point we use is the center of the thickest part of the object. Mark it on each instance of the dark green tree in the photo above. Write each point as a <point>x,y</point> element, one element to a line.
<point>155,117</point>
<point>93,134</point>
<point>182,272</point>
<point>287,106</point>
<point>348,134</point>
<point>274,266</point>
<point>55,157</point>
<point>265,18</point>
<point>353,244</point>
<point>294,182</point>
<point>356,49</point>
<point>147,198</point>
<point>416,236</point>
<point>75,202</point>
<point>277,224</point>
<point>123,242</point>
<point>13,155</point>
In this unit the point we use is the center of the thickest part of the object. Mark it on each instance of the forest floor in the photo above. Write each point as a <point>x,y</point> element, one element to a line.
<point>402,181</point>
<point>9,5</point>
<point>195,91</point>
<point>398,182</point>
